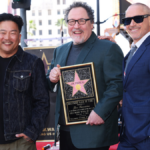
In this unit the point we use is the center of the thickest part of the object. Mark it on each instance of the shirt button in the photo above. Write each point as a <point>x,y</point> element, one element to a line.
<point>125,90</point>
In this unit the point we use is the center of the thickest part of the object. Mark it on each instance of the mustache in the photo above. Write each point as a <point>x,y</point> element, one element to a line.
<point>6,42</point>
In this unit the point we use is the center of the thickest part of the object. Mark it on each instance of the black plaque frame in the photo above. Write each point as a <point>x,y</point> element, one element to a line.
<point>79,97</point>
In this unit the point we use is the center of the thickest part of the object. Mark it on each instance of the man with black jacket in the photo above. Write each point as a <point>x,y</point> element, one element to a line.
<point>24,98</point>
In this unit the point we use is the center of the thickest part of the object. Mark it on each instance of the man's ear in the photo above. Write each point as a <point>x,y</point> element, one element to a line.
<point>92,25</point>
<point>19,38</point>
<point>149,22</point>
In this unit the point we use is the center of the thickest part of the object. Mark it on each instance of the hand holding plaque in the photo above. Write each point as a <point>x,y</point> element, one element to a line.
<point>55,74</point>
<point>79,92</point>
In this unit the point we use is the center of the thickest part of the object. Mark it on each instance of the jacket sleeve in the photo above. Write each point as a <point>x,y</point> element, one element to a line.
<point>112,69</point>
<point>50,84</point>
<point>40,101</point>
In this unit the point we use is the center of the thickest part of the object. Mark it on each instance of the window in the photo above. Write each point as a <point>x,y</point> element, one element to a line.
<point>40,32</point>
<point>33,32</point>
<point>33,12</point>
<point>65,31</point>
<point>40,12</point>
<point>40,22</point>
<point>58,31</point>
<point>64,10</point>
<point>49,22</point>
<point>49,32</point>
<point>58,2</point>
<point>49,12</point>
<point>64,1</point>
<point>58,12</point>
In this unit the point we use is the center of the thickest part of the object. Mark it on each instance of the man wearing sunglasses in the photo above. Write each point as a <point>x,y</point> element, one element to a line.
<point>136,95</point>
<point>100,131</point>
<point>135,133</point>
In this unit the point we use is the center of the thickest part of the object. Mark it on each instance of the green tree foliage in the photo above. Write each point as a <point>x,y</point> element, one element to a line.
<point>60,23</point>
<point>32,26</point>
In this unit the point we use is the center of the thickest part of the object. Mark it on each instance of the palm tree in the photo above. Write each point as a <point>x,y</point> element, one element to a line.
<point>60,23</point>
<point>32,25</point>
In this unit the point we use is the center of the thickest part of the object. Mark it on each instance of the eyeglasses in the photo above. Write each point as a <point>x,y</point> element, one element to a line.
<point>81,21</point>
<point>137,19</point>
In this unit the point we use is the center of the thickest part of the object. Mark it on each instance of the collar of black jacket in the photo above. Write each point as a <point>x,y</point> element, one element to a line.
<point>19,53</point>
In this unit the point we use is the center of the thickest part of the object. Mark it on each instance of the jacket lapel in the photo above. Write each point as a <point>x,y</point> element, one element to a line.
<point>125,59</point>
<point>65,54</point>
<point>136,57</point>
<point>123,68</point>
<point>86,49</point>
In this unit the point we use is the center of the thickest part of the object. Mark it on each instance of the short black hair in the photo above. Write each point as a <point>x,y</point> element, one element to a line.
<point>88,9</point>
<point>9,17</point>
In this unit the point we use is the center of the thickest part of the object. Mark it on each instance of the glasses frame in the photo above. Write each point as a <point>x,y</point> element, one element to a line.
<point>77,21</point>
<point>134,18</point>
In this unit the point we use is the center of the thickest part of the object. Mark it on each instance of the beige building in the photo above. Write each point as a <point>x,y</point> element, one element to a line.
<point>45,14</point>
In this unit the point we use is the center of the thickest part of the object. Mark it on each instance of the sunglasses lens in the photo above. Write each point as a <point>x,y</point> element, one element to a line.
<point>138,19</point>
<point>126,21</point>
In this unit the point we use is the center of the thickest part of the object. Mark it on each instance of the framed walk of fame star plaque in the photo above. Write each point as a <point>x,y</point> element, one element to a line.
<point>79,92</point>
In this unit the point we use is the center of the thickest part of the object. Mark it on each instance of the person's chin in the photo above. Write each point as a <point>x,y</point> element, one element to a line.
<point>77,42</point>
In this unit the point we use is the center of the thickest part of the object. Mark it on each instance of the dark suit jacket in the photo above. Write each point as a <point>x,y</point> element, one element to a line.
<point>107,58</point>
<point>136,96</point>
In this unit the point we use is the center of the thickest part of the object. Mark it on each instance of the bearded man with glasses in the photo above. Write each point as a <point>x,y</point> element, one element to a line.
<point>100,130</point>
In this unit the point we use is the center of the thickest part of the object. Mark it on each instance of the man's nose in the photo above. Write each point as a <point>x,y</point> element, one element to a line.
<point>7,36</point>
<point>76,24</point>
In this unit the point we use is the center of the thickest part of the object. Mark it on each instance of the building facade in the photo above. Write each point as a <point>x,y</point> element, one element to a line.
<point>44,15</point>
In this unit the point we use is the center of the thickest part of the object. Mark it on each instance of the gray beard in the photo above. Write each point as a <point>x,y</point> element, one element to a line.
<point>79,42</point>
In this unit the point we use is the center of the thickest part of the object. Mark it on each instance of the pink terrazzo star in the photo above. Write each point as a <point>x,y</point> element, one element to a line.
<point>78,85</point>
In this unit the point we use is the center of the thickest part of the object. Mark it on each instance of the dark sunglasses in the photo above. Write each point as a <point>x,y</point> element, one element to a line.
<point>137,19</point>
